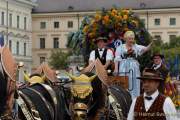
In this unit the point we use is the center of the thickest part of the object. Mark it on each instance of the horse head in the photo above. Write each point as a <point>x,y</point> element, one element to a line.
<point>81,91</point>
<point>34,78</point>
<point>8,68</point>
<point>43,74</point>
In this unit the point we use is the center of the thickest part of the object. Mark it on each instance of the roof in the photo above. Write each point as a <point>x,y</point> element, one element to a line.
<point>50,6</point>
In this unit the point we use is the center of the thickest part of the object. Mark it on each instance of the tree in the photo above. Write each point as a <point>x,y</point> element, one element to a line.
<point>59,59</point>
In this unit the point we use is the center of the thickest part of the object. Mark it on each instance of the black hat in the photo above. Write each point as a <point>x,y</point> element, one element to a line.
<point>157,54</point>
<point>151,74</point>
<point>101,38</point>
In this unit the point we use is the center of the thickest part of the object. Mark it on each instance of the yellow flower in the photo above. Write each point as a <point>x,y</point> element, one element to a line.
<point>119,17</point>
<point>106,18</point>
<point>86,29</point>
<point>114,11</point>
<point>126,29</point>
<point>112,14</point>
<point>92,34</point>
<point>125,17</point>
<point>92,21</point>
<point>135,22</point>
<point>97,17</point>
<point>125,11</point>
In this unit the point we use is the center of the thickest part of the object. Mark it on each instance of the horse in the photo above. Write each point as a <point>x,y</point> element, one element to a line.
<point>93,99</point>
<point>35,102</point>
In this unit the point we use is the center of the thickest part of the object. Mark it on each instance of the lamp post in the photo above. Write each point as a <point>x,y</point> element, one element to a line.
<point>143,6</point>
<point>7,24</point>
<point>78,20</point>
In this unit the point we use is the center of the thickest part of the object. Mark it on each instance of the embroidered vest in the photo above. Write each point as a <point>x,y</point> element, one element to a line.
<point>155,112</point>
<point>103,58</point>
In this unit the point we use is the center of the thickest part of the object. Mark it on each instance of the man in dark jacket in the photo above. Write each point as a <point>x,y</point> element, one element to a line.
<point>159,66</point>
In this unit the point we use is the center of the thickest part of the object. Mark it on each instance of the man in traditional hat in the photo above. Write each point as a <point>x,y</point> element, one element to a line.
<point>159,66</point>
<point>152,105</point>
<point>105,55</point>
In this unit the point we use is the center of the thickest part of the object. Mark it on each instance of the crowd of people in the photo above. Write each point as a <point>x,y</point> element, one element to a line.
<point>123,53</point>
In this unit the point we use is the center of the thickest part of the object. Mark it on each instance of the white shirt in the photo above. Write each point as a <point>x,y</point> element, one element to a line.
<point>168,107</point>
<point>155,67</point>
<point>109,55</point>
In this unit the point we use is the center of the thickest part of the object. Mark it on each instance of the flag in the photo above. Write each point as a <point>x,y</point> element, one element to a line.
<point>1,40</point>
<point>176,65</point>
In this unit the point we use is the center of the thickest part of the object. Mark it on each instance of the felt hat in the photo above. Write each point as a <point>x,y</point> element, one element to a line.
<point>151,74</point>
<point>157,54</point>
<point>100,38</point>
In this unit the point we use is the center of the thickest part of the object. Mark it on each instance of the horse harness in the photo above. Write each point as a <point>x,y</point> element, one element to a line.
<point>115,105</point>
<point>28,108</point>
<point>33,114</point>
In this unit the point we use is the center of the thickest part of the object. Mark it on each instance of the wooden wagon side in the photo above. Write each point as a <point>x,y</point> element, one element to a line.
<point>119,80</point>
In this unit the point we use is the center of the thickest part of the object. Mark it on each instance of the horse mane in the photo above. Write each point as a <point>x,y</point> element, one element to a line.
<point>3,92</point>
<point>97,93</point>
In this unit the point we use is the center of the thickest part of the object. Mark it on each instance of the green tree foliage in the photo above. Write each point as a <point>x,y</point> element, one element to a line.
<point>59,59</point>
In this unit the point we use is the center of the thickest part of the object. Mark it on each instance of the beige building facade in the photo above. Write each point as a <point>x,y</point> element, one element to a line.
<point>50,32</point>
<point>161,22</point>
<point>16,27</point>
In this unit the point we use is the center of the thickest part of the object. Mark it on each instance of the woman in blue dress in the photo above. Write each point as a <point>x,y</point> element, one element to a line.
<point>126,63</point>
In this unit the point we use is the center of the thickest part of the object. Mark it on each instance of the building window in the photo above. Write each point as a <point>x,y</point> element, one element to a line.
<point>70,24</point>
<point>56,42</point>
<point>42,43</point>
<point>10,20</point>
<point>157,21</point>
<point>17,48</point>
<point>56,24</point>
<point>143,21</point>
<point>43,25</point>
<point>42,59</point>
<point>157,37</point>
<point>24,49</point>
<point>25,23</point>
<point>172,21</point>
<point>18,20</point>
<point>10,45</point>
<point>171,37</point>
<point>2,18</point>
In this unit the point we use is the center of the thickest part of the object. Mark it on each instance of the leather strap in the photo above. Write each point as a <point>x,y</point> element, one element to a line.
<point>44,100</point>
<point>53,97</point>
<point>115,105</point>
<point>31,106</point>
<point>24,109</point>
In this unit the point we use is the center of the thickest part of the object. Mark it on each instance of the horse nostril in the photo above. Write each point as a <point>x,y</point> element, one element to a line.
<point>81,115</point>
